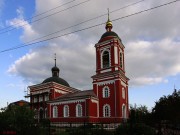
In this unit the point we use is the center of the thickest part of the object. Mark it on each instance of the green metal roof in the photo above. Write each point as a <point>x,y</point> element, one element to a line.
<point>57,80</point>
<point>109,34</point>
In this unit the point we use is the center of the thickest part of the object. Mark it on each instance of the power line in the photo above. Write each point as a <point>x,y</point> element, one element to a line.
<point>24,45</point>
<point>84,21</point>
<point>47,16</point>
<point>39,14</point>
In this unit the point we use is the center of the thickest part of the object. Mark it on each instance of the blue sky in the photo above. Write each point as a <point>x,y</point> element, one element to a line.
<point>151,41</point>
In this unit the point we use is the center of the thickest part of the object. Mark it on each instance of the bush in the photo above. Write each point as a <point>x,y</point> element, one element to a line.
<point>136,129</point>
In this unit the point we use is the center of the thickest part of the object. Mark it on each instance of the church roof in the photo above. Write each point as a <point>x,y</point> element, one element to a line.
<point>57,80</point>
<point>55,76</point>
<point>109,34</point>
<point>76,95</point>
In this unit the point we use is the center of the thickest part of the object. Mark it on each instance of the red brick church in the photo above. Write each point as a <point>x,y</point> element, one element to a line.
<point>107,102</point>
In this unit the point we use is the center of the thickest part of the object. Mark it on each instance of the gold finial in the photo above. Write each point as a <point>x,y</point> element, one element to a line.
<point>108,23</point>
<point>55,59</point>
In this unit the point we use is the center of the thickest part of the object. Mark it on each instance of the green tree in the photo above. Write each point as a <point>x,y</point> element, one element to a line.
<point>168,108</point>
<point>139,114</point>
<point>17,118</point>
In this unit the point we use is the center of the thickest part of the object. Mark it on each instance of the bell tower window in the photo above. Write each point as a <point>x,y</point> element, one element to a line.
<point>106,92</point>
<point>105,59</point>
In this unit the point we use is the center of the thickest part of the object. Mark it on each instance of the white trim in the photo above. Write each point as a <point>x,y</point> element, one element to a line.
<point>55,112</point>
<point>105,82</point>
<point>115,55</point>
<point>66,111</point>
<point>109,110</point>
<point>35,99</point>
<point>124,115</point>
<point>104,90</point>
<point>46,97</point>
<point>94,101</point>
<point>79,110</point>
<point>68,102</point>
<point>40,98</point>
<point>39,92</point>
<point>108,50</point>
<point>106,70</point>
<point>60,91</point>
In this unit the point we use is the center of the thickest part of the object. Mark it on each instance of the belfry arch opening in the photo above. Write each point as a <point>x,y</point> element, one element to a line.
<point>105,59</point>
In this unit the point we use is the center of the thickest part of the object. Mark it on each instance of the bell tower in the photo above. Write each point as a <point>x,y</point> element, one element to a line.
<point>110,83</point>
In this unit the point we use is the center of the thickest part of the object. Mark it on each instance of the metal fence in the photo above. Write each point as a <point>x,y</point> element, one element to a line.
<point>82,128</point>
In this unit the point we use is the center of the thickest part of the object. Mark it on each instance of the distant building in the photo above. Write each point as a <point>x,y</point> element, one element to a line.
<point>20,103</point>
<point>107,102</point>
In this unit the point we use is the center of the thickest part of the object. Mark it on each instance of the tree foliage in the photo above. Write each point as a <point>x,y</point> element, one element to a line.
<point>17,118</point>
<point>168,108</point>
<point>139,114</point>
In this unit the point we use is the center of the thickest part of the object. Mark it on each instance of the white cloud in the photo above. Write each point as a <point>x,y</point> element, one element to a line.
<point>28,32</point>
<point>76,65</point>
<point>151,49</point>
<point>152,62</point>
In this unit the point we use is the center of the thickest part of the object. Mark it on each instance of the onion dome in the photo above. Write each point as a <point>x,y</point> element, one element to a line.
<point>55,77</point>
<point>108,34</point>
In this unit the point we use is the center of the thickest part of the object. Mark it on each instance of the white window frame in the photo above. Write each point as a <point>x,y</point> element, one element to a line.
<point>66,111</point>
<point>35,99</point>
<point>46,98</point>
<point>106,92</point>
<point>79,112</point>
<point>55,111</point>
<point>124,111</point>
<point>40,98</point>
<point>106,110</point>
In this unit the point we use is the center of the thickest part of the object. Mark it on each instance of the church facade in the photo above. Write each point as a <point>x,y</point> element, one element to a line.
<point>107,102</point>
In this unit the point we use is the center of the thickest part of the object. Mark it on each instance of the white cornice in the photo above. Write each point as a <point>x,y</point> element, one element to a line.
<point>94,101</point>
<point>60,91</point>
<point>39,92</point>
<point>68,102</point>
<point>105,82</point>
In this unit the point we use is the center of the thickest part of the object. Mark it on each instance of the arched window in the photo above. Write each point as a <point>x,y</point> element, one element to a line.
<point>78,110</point>
<point>123,111</point>
<point>40,98</point>
<point>106,92</point>
<point>46,97</point>
<point>55,112</point>
<point>123,93</point>
<point>121,60</point>
<point>106,111</point>
<point>66,111</point>
<point>35,99</point>
<point>105,59</point>
<point>41,113</point>
<point>45,113</point>
<point>36,113</point>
